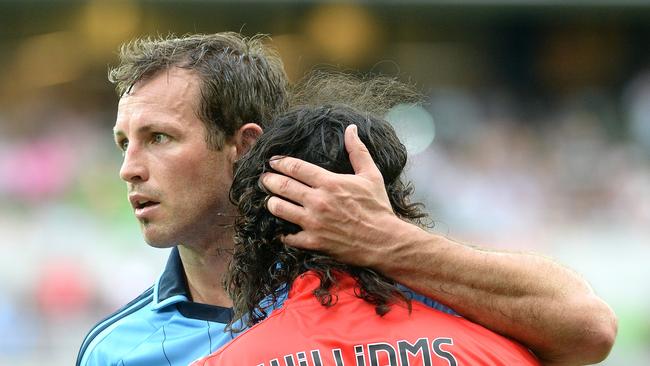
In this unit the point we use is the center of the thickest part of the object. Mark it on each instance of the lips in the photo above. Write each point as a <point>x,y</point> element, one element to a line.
<point>143,206</point>
<point>145,203</point>
<point>146,211</point>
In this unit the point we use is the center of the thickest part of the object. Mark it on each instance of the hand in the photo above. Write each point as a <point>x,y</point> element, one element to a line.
<point>347,216</point>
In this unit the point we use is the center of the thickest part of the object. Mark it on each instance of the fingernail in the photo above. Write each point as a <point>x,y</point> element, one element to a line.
<point>274,159</point>
<point>266,201</point>
<point>356,133</point>
<point>260,184</point>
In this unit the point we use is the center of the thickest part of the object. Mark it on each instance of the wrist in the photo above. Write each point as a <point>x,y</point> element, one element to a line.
<point>400,245</point>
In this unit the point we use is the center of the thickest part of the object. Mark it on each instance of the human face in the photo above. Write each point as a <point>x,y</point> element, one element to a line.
<point>177,186</point>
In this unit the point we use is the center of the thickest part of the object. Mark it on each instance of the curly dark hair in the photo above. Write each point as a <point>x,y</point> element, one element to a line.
<point>263,267</point>
<point>242,79</point>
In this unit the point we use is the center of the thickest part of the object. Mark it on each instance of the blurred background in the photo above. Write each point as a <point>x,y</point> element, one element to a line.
<point>535,137</point>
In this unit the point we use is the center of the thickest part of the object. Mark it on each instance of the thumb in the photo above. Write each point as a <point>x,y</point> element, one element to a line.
<point>360,158</point>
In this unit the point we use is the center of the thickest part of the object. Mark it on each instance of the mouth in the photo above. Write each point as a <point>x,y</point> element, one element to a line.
<point>142,204</point>
<point>143,207</point>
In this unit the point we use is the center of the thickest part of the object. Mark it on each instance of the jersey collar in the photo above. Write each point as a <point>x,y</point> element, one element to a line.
<point>171,289</point>
<point>171,286</point>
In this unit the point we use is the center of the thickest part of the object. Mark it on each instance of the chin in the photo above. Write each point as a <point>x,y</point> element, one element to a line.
<point>160,245</point>
<point>156,239</point>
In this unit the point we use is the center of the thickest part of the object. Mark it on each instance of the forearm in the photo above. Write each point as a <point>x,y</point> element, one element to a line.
<point>524,296</point>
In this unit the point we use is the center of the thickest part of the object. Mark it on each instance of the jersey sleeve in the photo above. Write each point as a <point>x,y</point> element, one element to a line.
<point>93,358</point>
<point>426,301</point>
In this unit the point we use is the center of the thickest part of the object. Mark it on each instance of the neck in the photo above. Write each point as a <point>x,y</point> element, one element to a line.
<point>204,271</point>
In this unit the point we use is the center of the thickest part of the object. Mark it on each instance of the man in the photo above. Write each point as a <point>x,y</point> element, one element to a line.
<point>334,314</point>
<point>189,108</point>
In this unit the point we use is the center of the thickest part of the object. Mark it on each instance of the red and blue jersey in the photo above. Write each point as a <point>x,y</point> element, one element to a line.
<point>302,332</point>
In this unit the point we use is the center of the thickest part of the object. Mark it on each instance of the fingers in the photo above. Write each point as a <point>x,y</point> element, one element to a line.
<point>313,175</point>
<point>301,170</point>
<point>299,240</point>
<point>360,158</point>
<point>285,210</point>
<point>286,187</point>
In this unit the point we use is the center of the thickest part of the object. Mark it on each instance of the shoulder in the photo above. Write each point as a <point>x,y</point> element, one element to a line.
<point>454,337</point>
<point>250,343</point>
<point>100,332</point>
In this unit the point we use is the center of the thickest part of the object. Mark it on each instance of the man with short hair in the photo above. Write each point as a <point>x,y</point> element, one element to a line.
<point>186,112</point>
<point>189,108</point>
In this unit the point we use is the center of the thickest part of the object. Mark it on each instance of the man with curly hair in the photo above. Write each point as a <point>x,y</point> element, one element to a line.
<point>335,314</point>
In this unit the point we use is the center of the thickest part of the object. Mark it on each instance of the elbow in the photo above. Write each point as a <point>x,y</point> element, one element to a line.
<point>600,326</point>
<point>592,338</point>
<point>601,335</point>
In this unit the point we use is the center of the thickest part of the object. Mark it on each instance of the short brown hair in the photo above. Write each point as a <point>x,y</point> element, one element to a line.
<point>242,79</point>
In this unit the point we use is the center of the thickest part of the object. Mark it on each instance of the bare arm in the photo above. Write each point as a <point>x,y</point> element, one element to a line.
<point>530,298</point>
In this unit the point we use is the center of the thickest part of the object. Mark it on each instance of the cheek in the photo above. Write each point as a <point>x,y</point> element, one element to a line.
<point>207,178</point>
<point>192,179</point>
<point>189,166</point>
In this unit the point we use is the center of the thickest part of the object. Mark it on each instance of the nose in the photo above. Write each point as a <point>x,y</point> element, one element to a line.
<point>134,166</point>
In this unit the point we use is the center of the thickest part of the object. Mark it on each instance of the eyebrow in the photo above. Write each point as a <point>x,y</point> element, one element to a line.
<point>145,128</point>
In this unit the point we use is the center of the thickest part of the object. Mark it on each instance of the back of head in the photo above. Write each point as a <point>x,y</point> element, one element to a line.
<point>374,95</point>
<point>262,264</point>
<point>241,79</point>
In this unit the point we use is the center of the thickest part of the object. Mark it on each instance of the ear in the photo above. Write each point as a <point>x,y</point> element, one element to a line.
<point>246,136</point>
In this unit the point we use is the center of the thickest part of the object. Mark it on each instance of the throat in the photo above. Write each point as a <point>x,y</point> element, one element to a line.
<point>215,297</point>
<point>204,274</point>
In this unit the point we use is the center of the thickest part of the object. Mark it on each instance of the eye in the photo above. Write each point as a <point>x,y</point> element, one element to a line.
<point>122,144</point>
<point>159,138</point>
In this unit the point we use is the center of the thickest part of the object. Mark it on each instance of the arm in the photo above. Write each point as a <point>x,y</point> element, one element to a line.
<point>524,296</point>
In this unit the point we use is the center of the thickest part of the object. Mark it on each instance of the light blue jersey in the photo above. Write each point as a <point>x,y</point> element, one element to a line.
<point>162,327</point>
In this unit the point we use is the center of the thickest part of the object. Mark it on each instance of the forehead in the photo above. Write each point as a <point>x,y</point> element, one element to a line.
<point>170,95</point>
